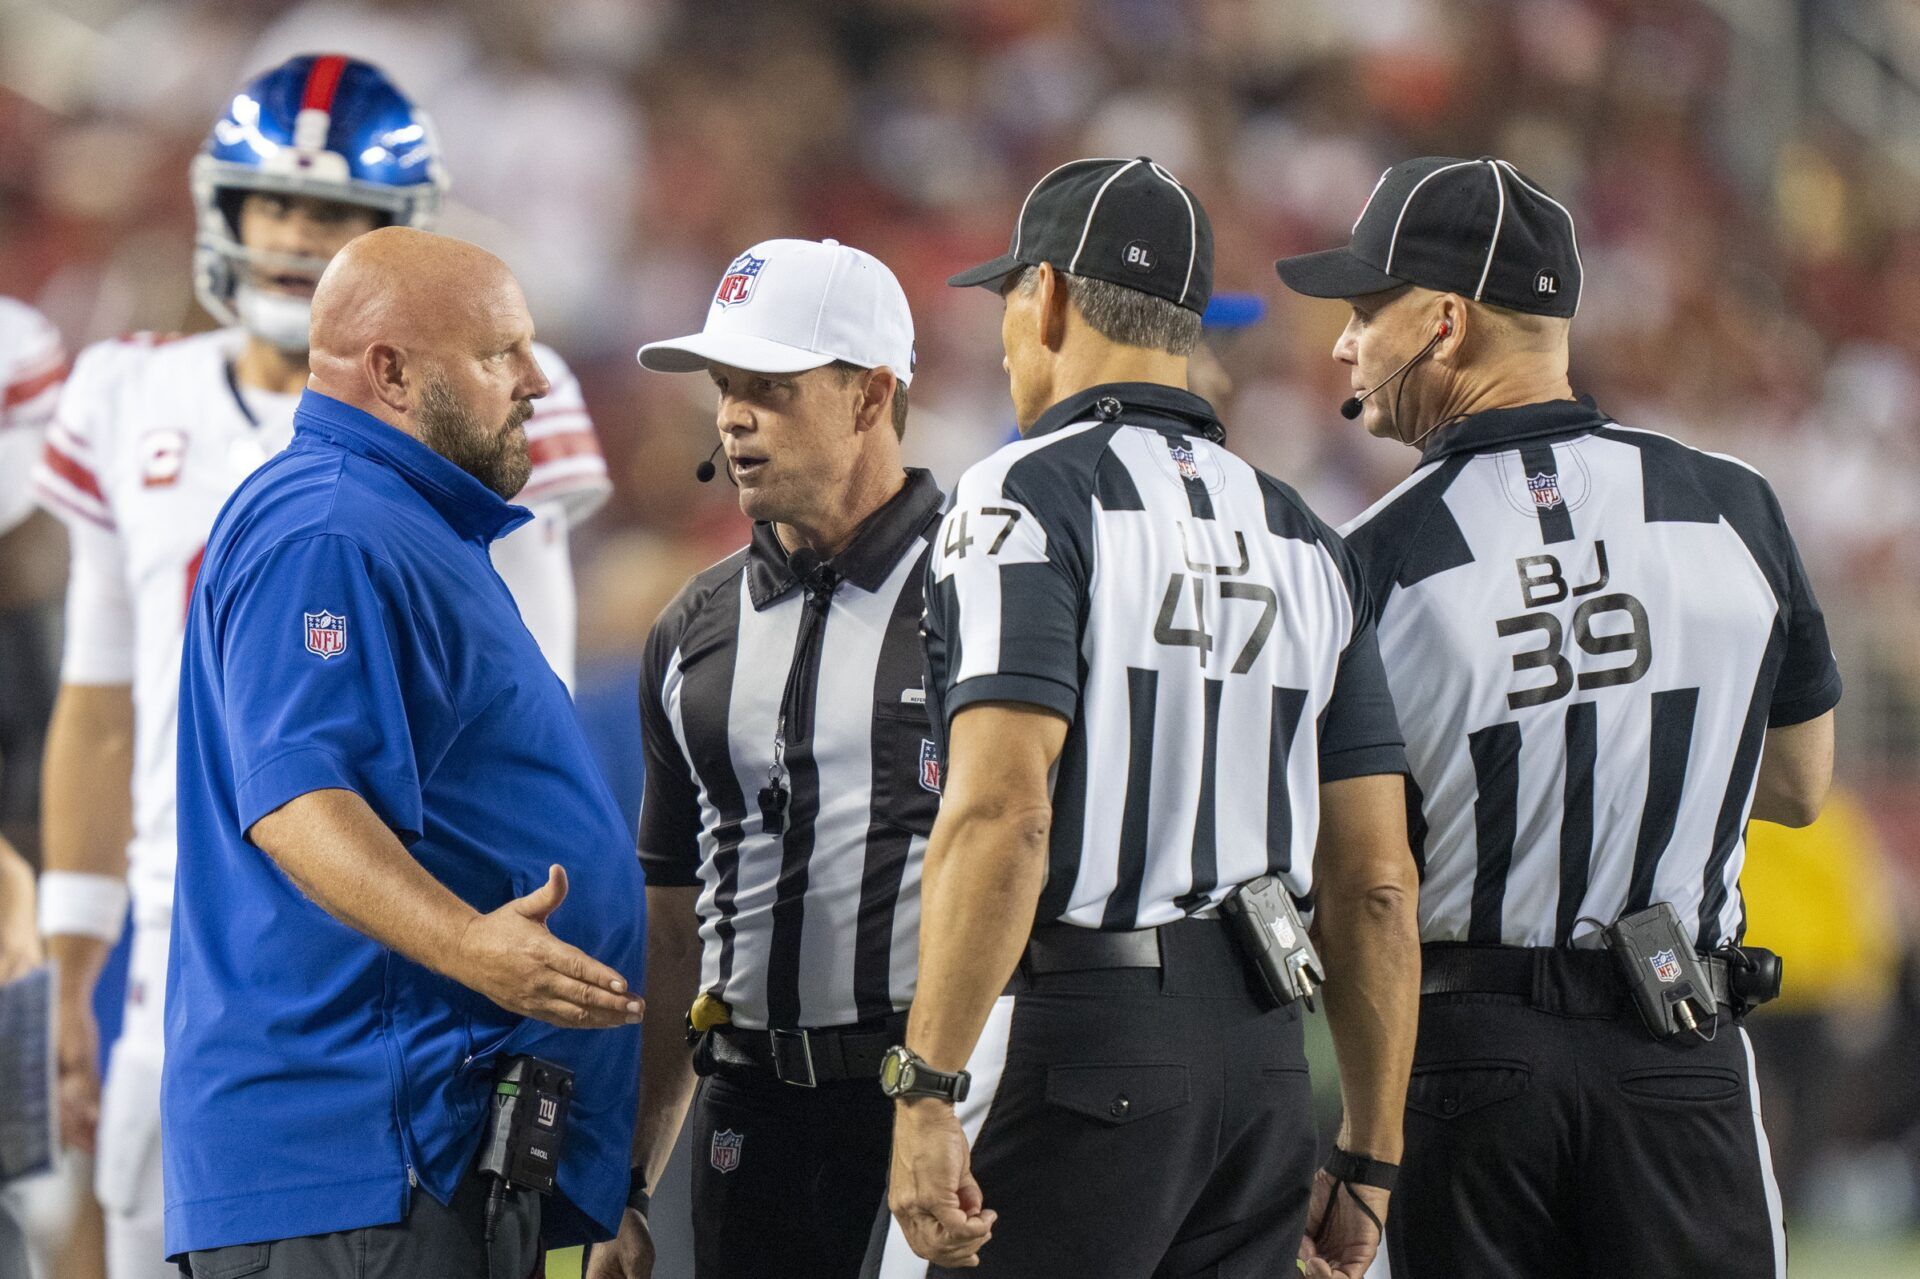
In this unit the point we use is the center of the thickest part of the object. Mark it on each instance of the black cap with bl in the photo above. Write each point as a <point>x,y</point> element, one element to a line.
<point>1128,222</point>
<point>1479,228</point>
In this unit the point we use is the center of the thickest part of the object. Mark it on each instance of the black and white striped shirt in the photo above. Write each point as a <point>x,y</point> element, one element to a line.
<point>818,925</point>
<point>1207,638</point>
<point>1588,630</point>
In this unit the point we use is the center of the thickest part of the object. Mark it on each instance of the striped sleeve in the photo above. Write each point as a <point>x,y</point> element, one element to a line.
<point>568,467</point>
<point>1359,731</point>
<point>32,367</point>
<point>67,482</point>
<point>1007,582</point>
<point>670,807</point>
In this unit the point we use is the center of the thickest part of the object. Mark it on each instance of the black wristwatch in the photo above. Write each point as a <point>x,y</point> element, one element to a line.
<point>904,1074</point>
<point>1358,1170</point>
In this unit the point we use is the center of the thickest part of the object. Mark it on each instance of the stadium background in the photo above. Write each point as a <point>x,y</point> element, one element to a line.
<point>1745,173</point>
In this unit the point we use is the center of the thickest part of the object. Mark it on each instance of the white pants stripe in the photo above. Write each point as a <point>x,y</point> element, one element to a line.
<point>985,1065</point>
<point>1775,1217</point>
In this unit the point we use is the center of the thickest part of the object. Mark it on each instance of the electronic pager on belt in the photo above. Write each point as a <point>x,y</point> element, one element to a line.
<point>1668,981</point>
<point>1262,917</point>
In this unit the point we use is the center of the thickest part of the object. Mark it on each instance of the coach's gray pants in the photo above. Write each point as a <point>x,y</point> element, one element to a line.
<point>13,1245</point>
<point>434,1241</point>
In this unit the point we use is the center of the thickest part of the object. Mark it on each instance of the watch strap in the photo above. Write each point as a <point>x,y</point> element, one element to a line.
<point>1359,1170</point>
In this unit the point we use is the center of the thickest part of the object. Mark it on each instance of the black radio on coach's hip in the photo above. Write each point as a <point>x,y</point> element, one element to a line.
<point>527,1125</point>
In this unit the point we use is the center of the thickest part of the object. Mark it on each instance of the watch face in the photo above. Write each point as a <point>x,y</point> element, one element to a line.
<point>895,1072</point>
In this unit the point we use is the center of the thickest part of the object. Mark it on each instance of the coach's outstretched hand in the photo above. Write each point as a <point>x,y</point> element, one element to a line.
<point>931,1189</point>
<point>629,1256</point>
<point>509,956</point>
<point>1341,1238</point>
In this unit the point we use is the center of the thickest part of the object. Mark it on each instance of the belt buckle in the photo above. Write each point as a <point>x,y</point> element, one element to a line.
<point>793,1049</point>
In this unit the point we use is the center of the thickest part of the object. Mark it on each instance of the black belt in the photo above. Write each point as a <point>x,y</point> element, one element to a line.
<point>808,1058</point>
<point>1578,981</point>
<point>1066,948</point>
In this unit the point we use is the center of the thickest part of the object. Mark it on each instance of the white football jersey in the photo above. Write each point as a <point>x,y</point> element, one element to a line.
<point>152,436</point>
<point>32,362</point>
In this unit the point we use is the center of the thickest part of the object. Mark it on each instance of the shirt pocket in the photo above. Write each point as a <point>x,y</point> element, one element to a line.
<point>907,772</point>
<point>1450,1090</point>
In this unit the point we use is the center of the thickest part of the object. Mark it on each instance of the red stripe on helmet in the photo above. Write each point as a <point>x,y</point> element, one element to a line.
<point>323,80</point>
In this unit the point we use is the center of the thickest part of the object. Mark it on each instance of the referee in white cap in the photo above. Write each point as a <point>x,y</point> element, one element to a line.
<point>1166,727</point>
<point>1606,656</point>
<point>791,781</point>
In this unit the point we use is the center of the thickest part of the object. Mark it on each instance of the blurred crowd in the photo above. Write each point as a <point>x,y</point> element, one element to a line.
<point>1752,288</point>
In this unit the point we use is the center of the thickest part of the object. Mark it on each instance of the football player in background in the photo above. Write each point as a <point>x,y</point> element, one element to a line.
<point>151,437</point>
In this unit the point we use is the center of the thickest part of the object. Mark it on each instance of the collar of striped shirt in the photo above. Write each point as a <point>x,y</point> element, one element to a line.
<point>1143,404</point>
<point>867,559</point>
<point>1497,428</point>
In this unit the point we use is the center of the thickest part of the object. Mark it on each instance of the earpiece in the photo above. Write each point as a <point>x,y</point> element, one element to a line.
<point>1446,328</point>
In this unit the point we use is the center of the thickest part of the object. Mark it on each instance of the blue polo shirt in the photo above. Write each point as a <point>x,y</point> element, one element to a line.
<point>347,630</point>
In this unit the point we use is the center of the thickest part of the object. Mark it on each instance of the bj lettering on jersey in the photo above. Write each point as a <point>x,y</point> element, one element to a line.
<point>1597,631</point>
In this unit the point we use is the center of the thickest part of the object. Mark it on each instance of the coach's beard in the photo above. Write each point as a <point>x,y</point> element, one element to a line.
<point>495,455</point>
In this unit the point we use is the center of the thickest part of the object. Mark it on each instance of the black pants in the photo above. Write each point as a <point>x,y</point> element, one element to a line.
<point>433,1241</point>
<point>1552,1136</point>
<point>1145,1124</point>
<point>786,1180</point>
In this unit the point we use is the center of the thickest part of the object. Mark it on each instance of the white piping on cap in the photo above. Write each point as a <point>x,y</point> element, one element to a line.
<point>1394,243</point>
<point>1499,216</point>
<point>1572,229</point>
<point>1019,223</point>
<point>1193,227</point>
<point>1377,184</point>
<point>1091,208</point>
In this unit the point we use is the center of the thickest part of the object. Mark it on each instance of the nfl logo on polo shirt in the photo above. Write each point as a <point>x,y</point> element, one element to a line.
<point>724,1154</point>
<point>929,767</point>
<point>1545,490</point>
<point>736,285</point>
<point>326,634</point>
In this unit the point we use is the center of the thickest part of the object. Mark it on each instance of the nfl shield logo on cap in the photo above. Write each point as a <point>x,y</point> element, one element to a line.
<point>724,1154</point>
<point>326,634</point>
<point>736,286</point>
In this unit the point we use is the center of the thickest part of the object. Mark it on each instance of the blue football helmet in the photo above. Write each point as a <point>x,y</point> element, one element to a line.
<point>325,126</point>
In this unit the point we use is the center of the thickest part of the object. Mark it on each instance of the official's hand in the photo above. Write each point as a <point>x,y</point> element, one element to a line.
<point>931,1189</point>
<point>77,1058</point>
<point>629,1256</point>
<point>1340,1244</point>
<point>511,958</point>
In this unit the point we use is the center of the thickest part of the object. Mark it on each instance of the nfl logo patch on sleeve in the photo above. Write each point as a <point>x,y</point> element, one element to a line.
<point>326,634</point>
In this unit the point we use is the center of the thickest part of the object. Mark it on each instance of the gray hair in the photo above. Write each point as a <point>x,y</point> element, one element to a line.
<point>1124,315</point>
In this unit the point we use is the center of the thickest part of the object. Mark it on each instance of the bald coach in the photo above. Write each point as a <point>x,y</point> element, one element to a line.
<point>383,803</point>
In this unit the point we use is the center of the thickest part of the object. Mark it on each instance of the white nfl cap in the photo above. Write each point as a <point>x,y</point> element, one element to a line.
<point>785,306</point>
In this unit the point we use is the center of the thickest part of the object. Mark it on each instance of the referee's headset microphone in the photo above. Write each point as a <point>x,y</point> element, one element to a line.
<point>706,470</point>
<point>1351,408</point>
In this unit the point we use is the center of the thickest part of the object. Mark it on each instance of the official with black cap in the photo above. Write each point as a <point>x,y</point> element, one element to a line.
<point>1164,725</point>
<point>1606,656</point>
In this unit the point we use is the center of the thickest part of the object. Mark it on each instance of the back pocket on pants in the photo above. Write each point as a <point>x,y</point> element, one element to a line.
<point>1450,1089</point>
<point>1118,1093</point>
